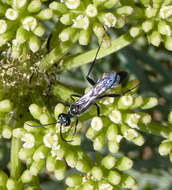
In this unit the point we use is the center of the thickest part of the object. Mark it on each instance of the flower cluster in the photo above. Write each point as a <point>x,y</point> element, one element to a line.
<point>107,175</point>
<point>157,23</point>
<point>22,23</point>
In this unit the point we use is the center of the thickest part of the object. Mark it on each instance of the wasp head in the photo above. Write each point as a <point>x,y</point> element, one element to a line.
<point>64,119</point>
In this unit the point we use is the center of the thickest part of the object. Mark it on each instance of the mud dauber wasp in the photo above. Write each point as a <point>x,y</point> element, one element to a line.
<point>108,81</point>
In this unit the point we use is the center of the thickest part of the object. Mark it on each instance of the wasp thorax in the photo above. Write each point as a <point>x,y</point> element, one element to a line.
<point>64,119</point>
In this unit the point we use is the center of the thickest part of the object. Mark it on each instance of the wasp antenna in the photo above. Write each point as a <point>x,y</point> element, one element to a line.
<point>44,125</point>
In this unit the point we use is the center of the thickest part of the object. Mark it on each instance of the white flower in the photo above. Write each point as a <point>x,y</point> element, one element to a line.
<point>11,14</point>
<point>29,23</point>
<point>50,140</point>
<point>115,116</point>
<point>110,20</point>
<point>91,10</point>
<point>96,123</point>
<point>29,140</point>
<point>166,11</point>
<point>81,21</point>
<point>72,4</point>
<point>132,120</point>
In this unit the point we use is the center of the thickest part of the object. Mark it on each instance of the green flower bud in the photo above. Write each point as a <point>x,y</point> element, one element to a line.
<point>3,179</point>
<point>84,37</point>
<point>3,26</point>
<point>30,129</point>
<point>58,7</point>
<point>34,43</point>
<point>98,30</point>
<point>165,147</point>
<point>155,38</point>
<point>12,184</point>
<point>109,162</point>
<point>67,34</point>
<point>81,22</point>
<point>125,10</point>
<point>21,35</point>
<point>170,117</point>
<point>91,133</point>
<point>165,12</point>
<point>26,153</point>
<point>109,4</point>
<point>6,131</point>
<point>36,167</point>
<point>128,133</point>
<point>40,153</point>
<point>145,118</point>
<point>164,28</point>
<point>83,166</point>
<point>124,163</point>
<point>115,116</point>
<point>6,106</point>
<point>60,170</point>
<point>20,4</point>
<point>11,14</point>
<point>89,184</point>
<point>113,146</point>
<point>72,4</point>
<point>91,10</point>
<point>150,12</point>
<point>121,21</point>
<point>39,30</point>
<point>67,19</point>
<point>5,37</point>
<point>147,25</point>
<point>135,31</point>
<point>45,118</point>
<point>35,110</point>
<point>97,123</point>
<point>57,153</point>
<point>108,19</point>
<point>139,140</point>
<point>29,23</point>
<point>98,2</point>
<point>97,173</point>
<point>58,110</point>
<point>125,102</point>
<point>132,119</point>
<point>112,132</point>
<point>99,142</point>
<point>71,158</point>
<point>127,181</point>
<point>104,185</point>
<point>45,14</point>
<point>50,163</point>
<point>114,177</point>
<point>74,180</point>
<point>34,6</point>
<point>168,43</point>
<point>26,177</point>
<point>149,103</point>
<point>137,102</point>
<point>29,140</point>
<point>76,140</point>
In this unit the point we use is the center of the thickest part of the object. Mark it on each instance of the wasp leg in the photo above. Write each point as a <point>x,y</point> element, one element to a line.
<point>91,81</point>
<point>75,126</point>
<point>48,43</point>
<point>118,95</point>
<point>98,109</point>
<point>74,95</point>
<point>61,135</point>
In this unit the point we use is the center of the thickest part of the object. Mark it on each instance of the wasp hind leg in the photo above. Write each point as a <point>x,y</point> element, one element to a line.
<point>98,109</point>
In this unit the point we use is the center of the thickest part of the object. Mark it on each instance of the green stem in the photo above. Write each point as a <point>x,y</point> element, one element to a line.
<point>78,60</point>
<point>15,161</point>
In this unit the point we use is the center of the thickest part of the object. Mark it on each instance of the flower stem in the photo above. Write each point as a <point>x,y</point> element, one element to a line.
<point>15,161</point>
<point>78,60</point>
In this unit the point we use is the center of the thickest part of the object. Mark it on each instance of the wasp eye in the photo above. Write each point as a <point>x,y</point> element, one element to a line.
<point>74,109</point>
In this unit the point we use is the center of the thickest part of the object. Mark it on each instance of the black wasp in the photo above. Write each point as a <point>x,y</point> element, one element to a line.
<point>98,91</point>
